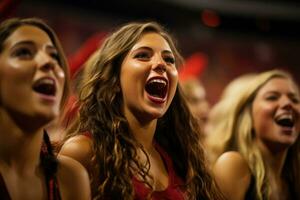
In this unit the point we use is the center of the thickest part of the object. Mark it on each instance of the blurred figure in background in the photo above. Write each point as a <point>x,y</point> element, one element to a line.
<point>261,141</point>
<point>218,136</point>
<point>195,94</point>
<point>33,89</point>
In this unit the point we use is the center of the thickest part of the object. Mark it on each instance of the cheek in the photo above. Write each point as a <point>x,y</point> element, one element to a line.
<point>61,77</point>
<point>173,79</point>
<point>60,74</point>
<point>297,110</point>
<point>262,118</point>
<point>263,110</point>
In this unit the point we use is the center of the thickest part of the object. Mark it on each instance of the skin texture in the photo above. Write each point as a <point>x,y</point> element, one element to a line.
<point>28,55</point>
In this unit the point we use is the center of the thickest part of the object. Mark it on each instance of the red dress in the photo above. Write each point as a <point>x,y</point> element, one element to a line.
<point>172,192</point>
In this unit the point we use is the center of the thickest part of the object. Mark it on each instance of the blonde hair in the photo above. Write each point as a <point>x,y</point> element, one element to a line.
<point>237,134</point>
<point>221,118</point>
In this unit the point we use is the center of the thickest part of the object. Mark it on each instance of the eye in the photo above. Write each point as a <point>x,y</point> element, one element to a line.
<point>55,56</point>
<point>169,59</point>
<point>295,99</point>
<point>142,56</point>
<point>23,53</point>
<point>272,97</point>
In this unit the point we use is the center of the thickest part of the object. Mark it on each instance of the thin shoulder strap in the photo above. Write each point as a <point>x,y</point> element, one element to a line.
<point>3,190</point>
<point>49,164</point>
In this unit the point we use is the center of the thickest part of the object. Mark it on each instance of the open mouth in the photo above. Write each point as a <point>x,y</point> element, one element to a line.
<point>157,87</point>
<point>286,121</point>
<point>45,86</point>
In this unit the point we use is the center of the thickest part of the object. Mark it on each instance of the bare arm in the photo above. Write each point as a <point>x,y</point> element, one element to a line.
<point>232,175</point>
<point>73,180</point>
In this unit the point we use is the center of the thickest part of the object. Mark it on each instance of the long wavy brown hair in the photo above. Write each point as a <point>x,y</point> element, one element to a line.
<point>114,147</point>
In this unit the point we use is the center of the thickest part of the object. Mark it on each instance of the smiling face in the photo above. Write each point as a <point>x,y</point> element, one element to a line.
<point>276,112</point>
<point>31,79</point>
<point>148,78</point>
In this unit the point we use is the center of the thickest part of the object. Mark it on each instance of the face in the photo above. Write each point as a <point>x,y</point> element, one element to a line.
<point>276,111</point>
<point>31,79</point>
<point>148,78</point>
<point>197,103</point>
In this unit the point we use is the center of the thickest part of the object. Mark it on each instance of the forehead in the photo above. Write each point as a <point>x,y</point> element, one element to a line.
<point>153,40</point>
<point>28,33</point>
<point>279,84</point>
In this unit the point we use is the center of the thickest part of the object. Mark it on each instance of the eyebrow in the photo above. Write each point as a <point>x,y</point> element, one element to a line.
<point>151,49</point>
<point>276,92</point>
<point>29,42</point>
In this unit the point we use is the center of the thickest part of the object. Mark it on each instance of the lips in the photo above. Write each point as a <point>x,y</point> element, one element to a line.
<point>157,88</point>
<point>45,86</point>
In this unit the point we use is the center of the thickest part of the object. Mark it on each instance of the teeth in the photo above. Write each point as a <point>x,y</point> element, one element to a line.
<point>286,116</point>
<point>47,81</point>
<point>158,81</point>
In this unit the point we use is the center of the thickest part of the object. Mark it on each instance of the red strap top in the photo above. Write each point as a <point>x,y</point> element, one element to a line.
<point>172,192</point>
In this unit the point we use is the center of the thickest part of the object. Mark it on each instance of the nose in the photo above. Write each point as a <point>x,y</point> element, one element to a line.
<point>286,103</point>
<point>160,65</point>
<point>46,62</point>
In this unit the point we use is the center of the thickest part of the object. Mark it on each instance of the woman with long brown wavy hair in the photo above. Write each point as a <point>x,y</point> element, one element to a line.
<point>134,132</point>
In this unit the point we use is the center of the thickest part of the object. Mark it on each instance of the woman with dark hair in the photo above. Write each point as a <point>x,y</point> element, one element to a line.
<point>33,89</point>
<point>134,132</point>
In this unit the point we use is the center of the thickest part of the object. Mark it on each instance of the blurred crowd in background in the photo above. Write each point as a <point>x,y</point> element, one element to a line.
<point>220,40</point>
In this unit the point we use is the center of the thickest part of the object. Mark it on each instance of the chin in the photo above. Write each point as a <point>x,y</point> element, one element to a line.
<point>47,117</point>
<point>153,115</point>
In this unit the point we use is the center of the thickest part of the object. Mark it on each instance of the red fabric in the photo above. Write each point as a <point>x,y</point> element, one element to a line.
<point>77,60</point>
<point>172,192</point>
<point>71,109</point>
<point>194,66</point>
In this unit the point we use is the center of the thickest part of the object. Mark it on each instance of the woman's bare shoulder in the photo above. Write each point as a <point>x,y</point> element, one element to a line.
<point>73,179</point>
<point>80,148</point>
<point>231,171</point>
